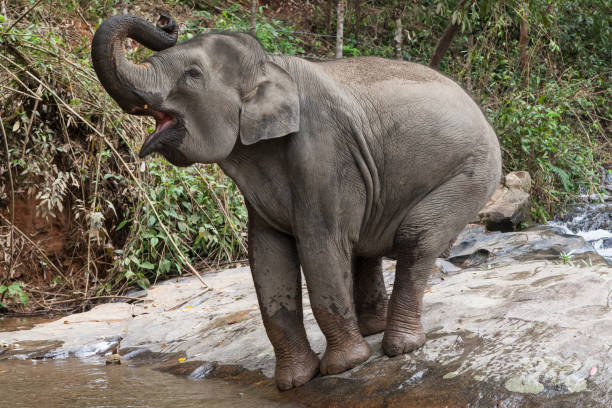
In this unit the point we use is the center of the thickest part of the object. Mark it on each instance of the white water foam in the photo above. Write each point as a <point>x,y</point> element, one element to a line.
<point>595,238</point>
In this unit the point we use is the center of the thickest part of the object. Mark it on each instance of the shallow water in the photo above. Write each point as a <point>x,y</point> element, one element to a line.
<point>8,324</point>
<point>91,383</point>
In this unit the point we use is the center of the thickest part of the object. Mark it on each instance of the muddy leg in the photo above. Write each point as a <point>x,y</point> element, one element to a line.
<point>327,269</point>
<point>370,295</point>
<point>276,274</point>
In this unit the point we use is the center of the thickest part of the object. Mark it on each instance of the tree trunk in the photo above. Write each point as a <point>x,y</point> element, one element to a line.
<point>330,8</point>
<point>357,19</point>
<point>468,65</point>
<point>447,38</point>
<point>398,33</point>
<point>523,41</point>
<point>253,17</point>
<point>340,28</point>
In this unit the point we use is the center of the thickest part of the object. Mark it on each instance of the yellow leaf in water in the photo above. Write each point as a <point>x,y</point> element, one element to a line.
<point>182,359</point>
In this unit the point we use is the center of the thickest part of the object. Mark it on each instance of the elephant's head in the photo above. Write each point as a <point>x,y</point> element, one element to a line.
<point>204,93</point>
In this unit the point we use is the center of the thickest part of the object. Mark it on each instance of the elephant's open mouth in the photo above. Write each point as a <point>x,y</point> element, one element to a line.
<point>168,125</point>
<point>163,121</point>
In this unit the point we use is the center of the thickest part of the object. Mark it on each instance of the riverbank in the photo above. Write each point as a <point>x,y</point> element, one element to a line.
<point>508,323</point>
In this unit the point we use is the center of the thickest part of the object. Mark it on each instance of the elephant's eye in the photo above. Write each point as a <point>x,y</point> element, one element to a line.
<point>194,73</point>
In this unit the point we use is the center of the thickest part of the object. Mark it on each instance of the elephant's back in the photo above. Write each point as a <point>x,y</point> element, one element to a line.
<point>368,71</point>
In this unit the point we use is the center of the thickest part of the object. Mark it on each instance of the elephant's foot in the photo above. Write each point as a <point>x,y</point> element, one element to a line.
<point>372,323</point>
<point>395,343</point>
<point>345,356</point>
<point>296,370</point>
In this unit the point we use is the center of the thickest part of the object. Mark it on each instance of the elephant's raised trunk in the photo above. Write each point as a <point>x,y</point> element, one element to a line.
<point>122,78</point>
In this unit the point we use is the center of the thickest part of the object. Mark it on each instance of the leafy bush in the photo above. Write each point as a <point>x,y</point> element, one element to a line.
<point>204,212</point>
<point>545,133</point>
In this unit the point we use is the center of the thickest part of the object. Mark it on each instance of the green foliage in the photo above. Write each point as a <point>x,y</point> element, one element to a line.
<point>567,258</point>
<point>202,209</point>
<point>13,292</point>
<point>275,36</point>
<point>545,133</point>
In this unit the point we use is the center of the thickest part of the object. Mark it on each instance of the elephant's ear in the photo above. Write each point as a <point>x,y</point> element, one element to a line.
<point>272,109</point>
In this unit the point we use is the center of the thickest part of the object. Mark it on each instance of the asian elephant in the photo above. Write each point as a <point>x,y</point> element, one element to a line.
<point>340,163</point>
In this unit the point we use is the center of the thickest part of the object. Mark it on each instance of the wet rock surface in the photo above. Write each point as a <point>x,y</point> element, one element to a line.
<point>508,324</point>
<point>475,246</point>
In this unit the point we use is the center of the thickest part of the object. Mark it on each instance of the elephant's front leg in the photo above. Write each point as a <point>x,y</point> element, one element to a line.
<point>276,274</point>
<point>327,268</point>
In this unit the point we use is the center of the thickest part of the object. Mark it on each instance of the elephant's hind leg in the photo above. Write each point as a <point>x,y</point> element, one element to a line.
<point>276,274</point>
<point>426,232</point>
<point>370,295</point>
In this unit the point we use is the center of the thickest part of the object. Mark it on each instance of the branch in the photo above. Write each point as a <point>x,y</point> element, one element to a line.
<point>10,172</point>
<point>445,41</point>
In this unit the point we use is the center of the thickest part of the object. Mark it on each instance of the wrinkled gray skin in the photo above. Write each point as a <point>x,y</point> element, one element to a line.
<point>340,163</point>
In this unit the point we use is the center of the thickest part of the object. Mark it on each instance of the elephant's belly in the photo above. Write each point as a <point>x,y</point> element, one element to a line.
<point>377,240</point>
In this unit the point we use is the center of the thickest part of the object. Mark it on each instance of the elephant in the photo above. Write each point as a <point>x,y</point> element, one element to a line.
<point>340,163</point>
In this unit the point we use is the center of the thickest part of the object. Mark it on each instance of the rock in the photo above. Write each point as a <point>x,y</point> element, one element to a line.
<point>475,247</point>
<point>445,267</point>
<point>509,205</point>
<point>113,359</point>
<point>518,179</point>
<point>520,329</point>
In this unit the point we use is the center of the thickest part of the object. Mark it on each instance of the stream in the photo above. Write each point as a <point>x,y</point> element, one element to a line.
<point>90,383</point>
<point>593,222</point>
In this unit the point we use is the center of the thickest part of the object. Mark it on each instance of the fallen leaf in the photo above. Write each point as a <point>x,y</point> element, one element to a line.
<point>66,322</point>
<point>2,371</point>
<point>16,126</point>
<point>163,345</point>
<point>182,359</point>
<point>189,307</point>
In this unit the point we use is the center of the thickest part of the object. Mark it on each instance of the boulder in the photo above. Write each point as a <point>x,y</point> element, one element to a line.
<point>509,205</point>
